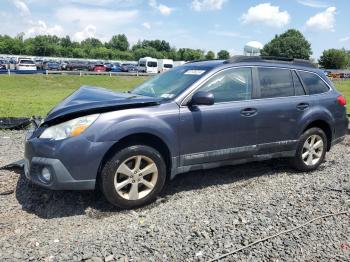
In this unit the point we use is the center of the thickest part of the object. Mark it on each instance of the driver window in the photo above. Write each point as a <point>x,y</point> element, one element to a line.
<point>230,85</point>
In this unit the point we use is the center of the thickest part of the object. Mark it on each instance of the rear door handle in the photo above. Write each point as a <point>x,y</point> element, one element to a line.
<point>249,112</point>
<point>302,106</point>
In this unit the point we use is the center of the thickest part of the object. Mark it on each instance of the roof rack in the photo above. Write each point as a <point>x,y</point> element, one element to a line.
<point>270,59</point>
<point>202,60</point>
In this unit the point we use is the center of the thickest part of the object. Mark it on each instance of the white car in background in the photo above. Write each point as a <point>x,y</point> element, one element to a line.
<point>26,64</point>
<point>165,65</point>
<point>148,65</point>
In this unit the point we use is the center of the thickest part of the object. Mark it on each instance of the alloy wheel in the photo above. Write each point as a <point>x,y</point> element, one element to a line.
<point>136,177</point>
<point>312,150</point>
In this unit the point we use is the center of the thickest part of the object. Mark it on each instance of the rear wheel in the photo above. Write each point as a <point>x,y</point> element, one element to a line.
<point>311,150</point>
<point>133,177</point>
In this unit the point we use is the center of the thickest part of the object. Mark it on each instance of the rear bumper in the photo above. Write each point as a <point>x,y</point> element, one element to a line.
<point>73,163</point>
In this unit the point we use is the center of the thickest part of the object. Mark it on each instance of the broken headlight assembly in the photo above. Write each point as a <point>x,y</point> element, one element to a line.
<point>69,128</point>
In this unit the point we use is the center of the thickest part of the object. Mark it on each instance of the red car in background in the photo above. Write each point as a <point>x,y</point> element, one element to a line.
<point>99,68</point>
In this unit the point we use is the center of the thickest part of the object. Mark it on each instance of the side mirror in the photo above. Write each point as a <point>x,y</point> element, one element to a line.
<point>202,98</point>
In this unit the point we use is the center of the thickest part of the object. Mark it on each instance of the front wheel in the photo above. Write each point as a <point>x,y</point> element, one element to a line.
<point>311,150</point>
<point>133,177</point>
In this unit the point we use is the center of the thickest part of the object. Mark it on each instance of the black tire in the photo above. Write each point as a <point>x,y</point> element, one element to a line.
<point>297,162</point>
<point>109,170</point>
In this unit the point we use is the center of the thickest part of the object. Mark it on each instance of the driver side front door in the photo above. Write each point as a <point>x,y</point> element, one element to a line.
<point>222,131</point>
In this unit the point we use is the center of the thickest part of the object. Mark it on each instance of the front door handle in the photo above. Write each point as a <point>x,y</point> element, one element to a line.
<point>249,112</point>
<point>302,106</point>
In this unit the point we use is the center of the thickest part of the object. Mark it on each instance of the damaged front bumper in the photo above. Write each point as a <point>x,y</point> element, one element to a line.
<point>68,164</point>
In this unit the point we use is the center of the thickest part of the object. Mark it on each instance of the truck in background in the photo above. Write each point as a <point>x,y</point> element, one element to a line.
<point>148,65</point>
<point>165,65</point>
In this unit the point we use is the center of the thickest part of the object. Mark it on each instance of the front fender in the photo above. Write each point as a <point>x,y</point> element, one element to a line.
<point>111,128</point>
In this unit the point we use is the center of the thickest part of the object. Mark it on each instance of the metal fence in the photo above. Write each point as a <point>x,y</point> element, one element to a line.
<point>79,73</point>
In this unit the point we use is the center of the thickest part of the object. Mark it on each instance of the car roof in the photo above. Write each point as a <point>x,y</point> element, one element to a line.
<point>221,64</point>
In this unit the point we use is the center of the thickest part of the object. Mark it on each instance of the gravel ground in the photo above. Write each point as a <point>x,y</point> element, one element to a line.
<point>202,215</point>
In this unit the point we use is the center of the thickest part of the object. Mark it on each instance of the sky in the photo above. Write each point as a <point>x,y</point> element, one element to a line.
<point>203,24</point>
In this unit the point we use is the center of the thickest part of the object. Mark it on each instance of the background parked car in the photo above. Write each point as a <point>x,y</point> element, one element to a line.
<point>99,68</point>
<point>12,63</point>
<point>78,65</point>
<point>92,65</point>
<point>26,64</point>
<point>3,65</point>
<point>108,67</point>
<point>63,65</point>
<point>124,67</point>
<point>128,67</point>
<point>132,68</point>
<point>116,67</point>
<point>51,66</point>
<point>39,63</point>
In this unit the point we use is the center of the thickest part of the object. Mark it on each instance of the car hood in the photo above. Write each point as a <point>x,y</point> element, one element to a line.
<point>91,100</point>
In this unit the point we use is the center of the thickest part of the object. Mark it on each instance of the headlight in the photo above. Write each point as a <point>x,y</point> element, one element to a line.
<point>70,128</point>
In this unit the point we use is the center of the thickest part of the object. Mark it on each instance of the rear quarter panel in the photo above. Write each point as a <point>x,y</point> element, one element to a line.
<point>326,108</point>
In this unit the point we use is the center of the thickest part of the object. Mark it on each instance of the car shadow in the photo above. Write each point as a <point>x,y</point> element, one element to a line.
<point>53,204</point>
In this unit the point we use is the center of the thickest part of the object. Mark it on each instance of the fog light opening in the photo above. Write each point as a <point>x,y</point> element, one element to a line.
<point>46,175</point>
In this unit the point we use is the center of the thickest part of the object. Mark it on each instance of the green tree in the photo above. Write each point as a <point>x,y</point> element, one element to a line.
<point>119,42</point>
<point>42,45</point>
<point>159,45</point>
<point>101,53</point>
<point>116,48</point>
<point>138,45</point>
<point>9,45</point>
<point>147,51</point>
<point>334,59</point>
<point>188,54</point>
<point>210,55</point>
<point>291,44</point>
<point>122,55</point>
<point>223,54</point>
<point>66,42</point>
<point>91,43</point>
<point>171,54</point>
<point>78,53</point>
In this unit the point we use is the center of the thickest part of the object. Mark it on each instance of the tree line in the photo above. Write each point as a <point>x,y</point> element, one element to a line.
<point>291,44</point>
<point>117,48</point>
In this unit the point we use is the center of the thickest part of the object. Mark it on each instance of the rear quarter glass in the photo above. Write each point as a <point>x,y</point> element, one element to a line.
<point>314,83</point>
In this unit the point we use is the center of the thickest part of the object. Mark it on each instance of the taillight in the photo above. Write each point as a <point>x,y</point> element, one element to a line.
<point>341,100</point>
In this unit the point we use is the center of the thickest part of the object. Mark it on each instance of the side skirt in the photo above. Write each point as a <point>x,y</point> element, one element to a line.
<point>227,162</point>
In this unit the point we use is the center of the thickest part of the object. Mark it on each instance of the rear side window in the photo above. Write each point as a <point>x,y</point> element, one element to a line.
<point>230,85</point>
<point>299,90</point>
<point>313,82</point>
<point>275,82</point>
